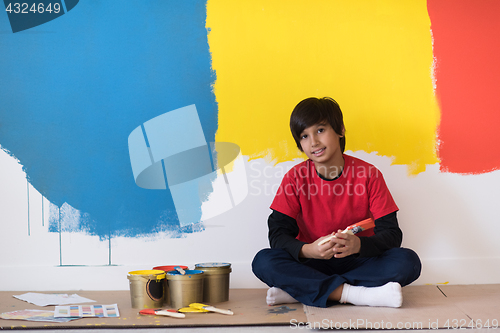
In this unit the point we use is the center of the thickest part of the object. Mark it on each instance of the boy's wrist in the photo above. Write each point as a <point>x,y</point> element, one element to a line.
<point>303,251</point>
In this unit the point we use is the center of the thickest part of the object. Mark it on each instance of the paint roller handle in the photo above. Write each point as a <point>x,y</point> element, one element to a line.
<point>180,270</point>
<point>327,239</point>
<point>333,236</point>
<point>172,313</point>
<point>214,309</point>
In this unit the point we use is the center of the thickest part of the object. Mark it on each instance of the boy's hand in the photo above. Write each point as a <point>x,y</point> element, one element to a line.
<point>315,251</point>
<point>345,244</point>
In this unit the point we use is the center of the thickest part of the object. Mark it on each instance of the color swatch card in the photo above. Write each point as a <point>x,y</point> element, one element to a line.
<point>85,311</point>
<point>35,315</point>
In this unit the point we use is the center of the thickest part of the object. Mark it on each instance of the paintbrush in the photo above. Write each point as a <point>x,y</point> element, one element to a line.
<point>353,229</point>
<point>188,309</point>
<point>161,312</point>
<point>210,308</point>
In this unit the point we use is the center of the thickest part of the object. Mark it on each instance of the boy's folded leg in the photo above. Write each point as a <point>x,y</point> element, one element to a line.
<point>277,296</point>
<point>278,269</point>
<point>388,295</point>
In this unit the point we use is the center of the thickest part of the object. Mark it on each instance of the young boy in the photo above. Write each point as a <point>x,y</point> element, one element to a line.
<point>322,196</point>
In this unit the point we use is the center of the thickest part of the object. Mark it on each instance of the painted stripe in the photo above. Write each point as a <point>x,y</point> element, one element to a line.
<point>373,57</point>
<point>466,47</point>
<point>118,72</point>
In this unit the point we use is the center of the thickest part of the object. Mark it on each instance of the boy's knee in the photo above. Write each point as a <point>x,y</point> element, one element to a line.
<point>265,260</point>
<point>260,261</point>
<point>410,266</point>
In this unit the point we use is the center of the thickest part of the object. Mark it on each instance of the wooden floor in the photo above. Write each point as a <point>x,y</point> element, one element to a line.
<point>424,307</point>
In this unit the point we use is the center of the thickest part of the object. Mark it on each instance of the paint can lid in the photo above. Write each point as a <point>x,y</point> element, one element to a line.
<point>169,268</point>
<point>150,274</point>
<point>213,268</point>
<point>213,265</point>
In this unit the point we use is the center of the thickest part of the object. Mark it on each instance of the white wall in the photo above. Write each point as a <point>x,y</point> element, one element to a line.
<point>449,220</point>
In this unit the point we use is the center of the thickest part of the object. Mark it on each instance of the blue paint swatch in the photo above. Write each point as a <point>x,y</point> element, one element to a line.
<point>72,92</point>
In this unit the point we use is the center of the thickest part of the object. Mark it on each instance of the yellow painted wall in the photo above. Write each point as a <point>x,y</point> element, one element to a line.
<point>374,57</point>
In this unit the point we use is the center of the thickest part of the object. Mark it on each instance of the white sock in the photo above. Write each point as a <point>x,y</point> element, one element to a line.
<point>389,295</point>
<point>278,296</point>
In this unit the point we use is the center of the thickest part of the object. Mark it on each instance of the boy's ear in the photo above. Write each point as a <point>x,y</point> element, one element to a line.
<point>343,132</point>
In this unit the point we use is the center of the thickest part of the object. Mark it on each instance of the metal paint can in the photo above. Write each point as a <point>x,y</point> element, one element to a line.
<point>146,288</point>
<point>166,291</point>
<point>185,289</point>
<point>216,285</point>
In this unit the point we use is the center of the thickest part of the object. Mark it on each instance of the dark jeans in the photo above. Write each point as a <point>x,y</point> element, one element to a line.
<point>312,281</point>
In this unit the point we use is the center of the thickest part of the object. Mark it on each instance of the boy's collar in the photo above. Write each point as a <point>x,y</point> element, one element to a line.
<point>330,179</point>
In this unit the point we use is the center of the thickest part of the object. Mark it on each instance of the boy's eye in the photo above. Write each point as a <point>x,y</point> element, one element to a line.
<point>303,136</point>
<point>320,130</point>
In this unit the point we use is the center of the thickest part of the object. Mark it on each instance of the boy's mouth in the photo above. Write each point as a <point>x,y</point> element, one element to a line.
<point>318,152</point>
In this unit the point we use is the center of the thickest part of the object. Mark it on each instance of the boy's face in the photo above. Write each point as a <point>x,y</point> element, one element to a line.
<point>321,144</point>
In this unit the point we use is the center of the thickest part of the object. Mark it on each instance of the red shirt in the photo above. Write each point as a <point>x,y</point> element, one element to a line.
<point>321,207</point>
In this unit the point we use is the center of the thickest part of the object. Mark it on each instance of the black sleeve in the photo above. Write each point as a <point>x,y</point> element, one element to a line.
<point>387,235</point>
<point>283,231</point>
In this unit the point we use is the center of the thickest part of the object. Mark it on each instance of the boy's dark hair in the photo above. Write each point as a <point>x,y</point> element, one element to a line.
<point>312,111</point>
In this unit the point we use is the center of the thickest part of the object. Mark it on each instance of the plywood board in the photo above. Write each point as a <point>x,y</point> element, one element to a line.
<point>249,307</point>
<point>424,307</point>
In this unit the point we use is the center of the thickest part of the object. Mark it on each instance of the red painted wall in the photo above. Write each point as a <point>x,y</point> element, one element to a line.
<point>467,49</point>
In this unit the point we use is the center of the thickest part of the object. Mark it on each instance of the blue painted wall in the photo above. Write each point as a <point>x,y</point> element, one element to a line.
<point>73,89</point>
